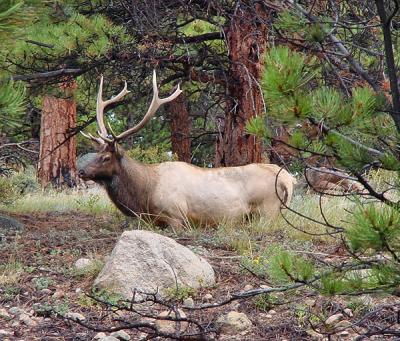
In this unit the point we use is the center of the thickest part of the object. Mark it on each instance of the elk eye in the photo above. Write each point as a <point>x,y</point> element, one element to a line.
<point>106,158</point>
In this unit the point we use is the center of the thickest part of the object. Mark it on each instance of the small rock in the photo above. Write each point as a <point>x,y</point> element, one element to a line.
<point>16,311</point>
<point>233,322</point>
<point>5,315</point>
<point>188,302</point>
<point>247,287</point>
<point>75,316</point>
<point>331,320</point>
<point>4,333</point>
<point>366,299</point>
<point>263,286</point>
<point>15,324</point>
<point>272,312</point>
<point>78,290</point>
<point>25,319</point>
<point>121,335</point>
<point>45,291</point>
<point>230,337</point>
<point>309,302</point>
<point>108,338</point>
<point>348,312</point>
<point>142,336</point>
<point>170,326</point>
<point>343,324</point>
<point>208,297</point>
<point>343,333</point>
<point>263,316</point>
<point>235,305</point>
<point>58,294</point>
<point>99,335</point>
<point>82,263</point>
<point>315,335</point>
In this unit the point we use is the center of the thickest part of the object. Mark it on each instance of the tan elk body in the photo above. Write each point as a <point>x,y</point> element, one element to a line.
<point>174,193</point>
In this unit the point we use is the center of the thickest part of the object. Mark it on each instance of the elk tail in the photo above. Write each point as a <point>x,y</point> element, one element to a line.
<point>286,186</point>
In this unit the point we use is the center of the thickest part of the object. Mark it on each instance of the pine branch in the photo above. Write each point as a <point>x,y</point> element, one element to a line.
<point>326,129</point>
<point>346,53</point>
<point>200,38</point>
<point>49,74</point>
<point>390,62</point>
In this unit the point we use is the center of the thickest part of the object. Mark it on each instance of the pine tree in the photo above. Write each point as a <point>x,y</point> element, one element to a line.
<point>358,127</point>
<point>12,96</point>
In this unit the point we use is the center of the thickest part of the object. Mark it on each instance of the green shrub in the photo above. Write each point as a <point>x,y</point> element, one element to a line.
<point>88,203</point>
<point>43,282</point>
<point>25,181</point>
<point>47,309</point>
<point>152,154</point>
<point>92,270</point>
<point>179,293</point>
<point>8,195</point>
<point>265,302</point>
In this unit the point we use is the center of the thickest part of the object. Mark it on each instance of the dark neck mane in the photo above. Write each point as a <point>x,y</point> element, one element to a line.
<point>131,187</point>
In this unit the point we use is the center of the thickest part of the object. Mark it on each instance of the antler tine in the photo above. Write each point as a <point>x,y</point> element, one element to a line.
<point>156,102</point>
<point>101,105</point>
<point>100,110</point>
<point>91,137</point>
<point>111,130</point>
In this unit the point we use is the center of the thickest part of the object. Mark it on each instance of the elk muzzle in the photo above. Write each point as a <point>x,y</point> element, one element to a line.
<point>84,165</point>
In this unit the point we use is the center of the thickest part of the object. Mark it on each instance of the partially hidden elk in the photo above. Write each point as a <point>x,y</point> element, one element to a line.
<point>331,181</point>
<point>175,193</point>
<point>320,173</point>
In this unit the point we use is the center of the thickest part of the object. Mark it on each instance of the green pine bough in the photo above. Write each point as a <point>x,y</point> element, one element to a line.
<point>353,128</point>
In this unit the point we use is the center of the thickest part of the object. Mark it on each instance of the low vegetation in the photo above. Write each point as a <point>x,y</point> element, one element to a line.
<point>258,252</point>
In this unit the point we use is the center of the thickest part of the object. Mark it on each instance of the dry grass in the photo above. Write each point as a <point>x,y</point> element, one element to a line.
<point>93,200</point>
<point>10,273</point>
<point>293,225</point>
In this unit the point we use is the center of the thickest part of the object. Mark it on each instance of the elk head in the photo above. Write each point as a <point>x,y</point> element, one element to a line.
<point>104,164</point>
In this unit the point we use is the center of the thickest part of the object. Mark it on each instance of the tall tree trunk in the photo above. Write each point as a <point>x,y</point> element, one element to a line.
<point>57,159</point>
<point>247,39</point>
<point>180,128</point>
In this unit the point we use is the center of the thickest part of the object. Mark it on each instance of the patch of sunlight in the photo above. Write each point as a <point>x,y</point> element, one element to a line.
<point>93,201</point>
<point>10,273</point>
<point>334,210</point>
<point>384,180</point>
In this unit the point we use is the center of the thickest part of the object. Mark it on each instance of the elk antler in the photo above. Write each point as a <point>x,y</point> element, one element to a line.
<point>156,102</point>
<point>101,105</point>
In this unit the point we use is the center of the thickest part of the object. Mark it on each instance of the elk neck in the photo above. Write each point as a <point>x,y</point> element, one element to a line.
<point>131,186</point>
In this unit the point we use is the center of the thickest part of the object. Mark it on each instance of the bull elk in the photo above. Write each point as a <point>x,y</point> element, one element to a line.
<point>173,193</point>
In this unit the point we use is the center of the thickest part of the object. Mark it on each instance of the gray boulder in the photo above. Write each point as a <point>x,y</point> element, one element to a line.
<point>153,263</point>
<point>9,226</point>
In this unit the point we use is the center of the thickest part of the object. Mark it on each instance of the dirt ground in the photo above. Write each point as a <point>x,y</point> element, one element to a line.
<point>52,242</point>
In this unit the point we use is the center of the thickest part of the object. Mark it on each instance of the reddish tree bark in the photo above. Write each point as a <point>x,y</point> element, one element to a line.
<point>57,159</point>
<point>247,40</point>
<point>180,128</point>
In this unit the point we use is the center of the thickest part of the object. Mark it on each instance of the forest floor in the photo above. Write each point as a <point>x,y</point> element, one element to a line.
<point>37,275</point>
